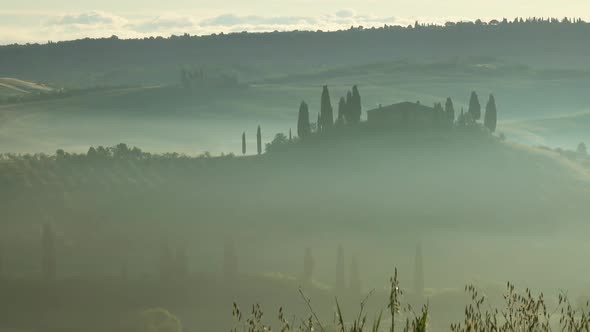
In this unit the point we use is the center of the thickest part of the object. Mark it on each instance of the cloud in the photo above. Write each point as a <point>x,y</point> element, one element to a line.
<point>97,24</point>
<point>164,23</point>
<point>345,13</point>
<point>230,20</point>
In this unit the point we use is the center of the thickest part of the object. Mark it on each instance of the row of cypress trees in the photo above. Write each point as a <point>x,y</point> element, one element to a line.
<point>349,112</point>
<point>490,118</point>
<point>258,141</point>
<point>446,115</point>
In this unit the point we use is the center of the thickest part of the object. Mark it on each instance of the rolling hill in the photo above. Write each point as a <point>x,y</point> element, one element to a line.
<point>167,117</point>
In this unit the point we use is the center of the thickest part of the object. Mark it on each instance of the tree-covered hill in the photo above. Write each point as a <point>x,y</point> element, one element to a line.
<point>110,61</point>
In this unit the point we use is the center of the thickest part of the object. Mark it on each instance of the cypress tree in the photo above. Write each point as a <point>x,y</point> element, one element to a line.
<point>259,141</point>
<point>348,113</point>
<point>490,118</point>
<point>48,256</point>
<point>303,126</point>
<point>450,111</point>
<point>439,115</point>
<point>290,136</point>
<point>244,143</point>
<point>356,108</point>
<point>326,114</point>
<point>474,107</point>
<point>418,273</point>
<point>340,283</point>
<point>341,111</point>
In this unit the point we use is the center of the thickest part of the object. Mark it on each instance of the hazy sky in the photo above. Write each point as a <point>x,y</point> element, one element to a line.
<point>42,20</point>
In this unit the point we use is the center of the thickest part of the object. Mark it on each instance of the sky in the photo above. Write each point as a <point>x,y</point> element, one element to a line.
<point>23,21</point>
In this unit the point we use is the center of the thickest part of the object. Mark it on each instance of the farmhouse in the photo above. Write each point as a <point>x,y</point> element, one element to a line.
<point>406,114</point>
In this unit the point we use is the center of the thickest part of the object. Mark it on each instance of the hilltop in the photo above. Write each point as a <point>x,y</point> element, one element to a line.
<point>156,60</point>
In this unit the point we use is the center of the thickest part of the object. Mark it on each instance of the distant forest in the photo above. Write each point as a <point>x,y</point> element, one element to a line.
<point>562,43</point>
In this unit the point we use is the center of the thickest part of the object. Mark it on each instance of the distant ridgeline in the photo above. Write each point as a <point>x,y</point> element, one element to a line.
<point>534,41</point>
<point>404,116</point>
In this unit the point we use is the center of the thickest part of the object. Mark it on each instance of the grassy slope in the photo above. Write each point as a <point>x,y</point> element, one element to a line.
<point>468,200</point>
<point>564,131</point>
<point>10,87</point>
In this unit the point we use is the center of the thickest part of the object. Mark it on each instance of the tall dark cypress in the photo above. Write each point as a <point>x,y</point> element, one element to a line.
<point>244,143</point>
<point>48,256</point>
<point>290,136</point>
<point>439,116</point>
<point>348,110</point>
<point>259,141</point>
<point>356,108</point>
<point>303,125</point>
<point>341,111</point>
<point>491,117</point>
<point>326,112</point>
<point>450,111</point>
<point>474,107</point>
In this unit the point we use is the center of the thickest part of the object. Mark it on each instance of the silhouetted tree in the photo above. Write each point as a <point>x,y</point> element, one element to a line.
<point>418,273</point>
<point>490,118</point>
<point>303,125</point>
<point>278,143</point>
<point>582,149</point>
<point>341,111</point>
<point>474,107</point>
<point>259,141</point>
<point>450,111</point>
<point>308,265</point>
<point>355,281</point>
<point>244,143</point>
<point>290,136</point>
<point>439,115</point>
<point>356,108</point>
<point>230,260</point>
<point>348,109</point>
<point>326,111</point>
<point>48,256</point>
<point>91,154</point>
<point>340,283</point>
